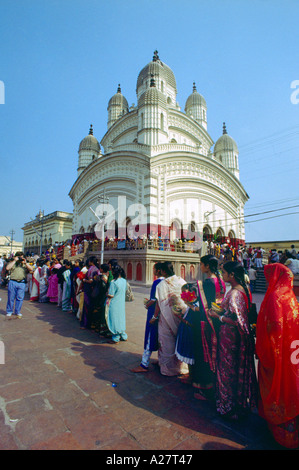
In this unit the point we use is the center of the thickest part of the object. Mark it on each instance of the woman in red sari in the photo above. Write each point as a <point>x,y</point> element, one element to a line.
<point>277,342</point>
<point>236,384</point>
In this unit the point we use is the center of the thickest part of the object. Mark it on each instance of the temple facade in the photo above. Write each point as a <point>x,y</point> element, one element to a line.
<point>157,174</point>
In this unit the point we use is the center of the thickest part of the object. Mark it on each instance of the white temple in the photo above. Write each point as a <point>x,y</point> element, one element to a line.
<point>160,160</point>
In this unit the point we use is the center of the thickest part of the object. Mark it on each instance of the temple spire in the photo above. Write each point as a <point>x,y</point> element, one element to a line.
<point>90,130</point>
<point>118,88</point>
<point>224,129</point>
<point>156,57</point>
<point>194,87</point>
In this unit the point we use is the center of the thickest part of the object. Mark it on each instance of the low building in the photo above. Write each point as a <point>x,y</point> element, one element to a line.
<point>280,245</point>
<point>46,230</point>
<point>8,246</point>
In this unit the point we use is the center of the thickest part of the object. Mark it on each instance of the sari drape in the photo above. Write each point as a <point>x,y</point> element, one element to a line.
<point>34,296</point>
<point>116,320</point>
<point>43,284</point>
<point>86,316</point>
<point>205,334</point>
<point>99,295</point>
<point>236,384</point>
<point>277,331</point>
<point>74,275</point>
<point>80,292</point>
<point>151,330</point>
<point>66,291</point>
<point>166,291</point>
<point>52,292</point>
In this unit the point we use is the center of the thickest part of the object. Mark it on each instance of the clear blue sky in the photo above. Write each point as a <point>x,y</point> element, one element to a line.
<point>61,61</point>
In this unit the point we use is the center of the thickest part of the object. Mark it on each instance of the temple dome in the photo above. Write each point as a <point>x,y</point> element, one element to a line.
<point>225,143</point>
<point>195,99</point>
<point>119,100</point>
<point>90,142</point>
<point>157,69</point>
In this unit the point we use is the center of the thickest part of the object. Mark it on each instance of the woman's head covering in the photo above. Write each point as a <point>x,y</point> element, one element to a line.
<point>278,276</point>
<point>277,332</point>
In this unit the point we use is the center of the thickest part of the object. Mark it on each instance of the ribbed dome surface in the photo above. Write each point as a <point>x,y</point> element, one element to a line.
<point>118,100</point>
<point>157,68</point>
<point>225,143</point>
<point>195,99</point>
<point>152,96</point>
<point>90,142</point>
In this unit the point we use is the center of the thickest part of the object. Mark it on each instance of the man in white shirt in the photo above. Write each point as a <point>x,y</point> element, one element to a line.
<point>292,263</point>
<point>252,278</point>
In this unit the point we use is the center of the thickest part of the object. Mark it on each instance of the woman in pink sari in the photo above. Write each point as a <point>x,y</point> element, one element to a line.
<point>236,384</point>
<point>52,292</point>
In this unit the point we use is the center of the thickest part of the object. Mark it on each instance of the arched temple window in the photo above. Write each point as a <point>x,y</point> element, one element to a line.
<point>192,272</point>
<point>207,232</point>
<point>129,271</point>
<point>139,272</point>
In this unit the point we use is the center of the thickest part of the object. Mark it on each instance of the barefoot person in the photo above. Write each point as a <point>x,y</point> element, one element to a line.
<point>151,330</point>
<point>167,290</point>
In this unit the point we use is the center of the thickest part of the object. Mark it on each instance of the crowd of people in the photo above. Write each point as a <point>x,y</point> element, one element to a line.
<point>94,293</point>
<point>254,258</point>
<point>206,332</point>
<point>205,335</point>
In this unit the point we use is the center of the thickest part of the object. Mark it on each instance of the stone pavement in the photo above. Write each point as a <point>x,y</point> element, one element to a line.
<point>63,388</point>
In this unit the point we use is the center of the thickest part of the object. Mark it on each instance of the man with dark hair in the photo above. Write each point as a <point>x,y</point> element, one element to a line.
<point>18,268</point>
<point>111,263</point>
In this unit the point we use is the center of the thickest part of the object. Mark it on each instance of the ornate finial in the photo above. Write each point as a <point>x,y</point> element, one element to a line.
<point>119,89</point>
<point>194,87</point>
<point>153,83</point>
<point>224,129</point>
<point>156,57</point>
<point>91,130</point>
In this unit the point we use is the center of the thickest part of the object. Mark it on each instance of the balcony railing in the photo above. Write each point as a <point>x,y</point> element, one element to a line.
<point>140,244</point>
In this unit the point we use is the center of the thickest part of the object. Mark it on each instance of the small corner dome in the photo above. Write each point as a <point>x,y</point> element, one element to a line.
<point>225,143</point>
<point>90,142</point>
<point>195,99</point>
<point>118,100</point>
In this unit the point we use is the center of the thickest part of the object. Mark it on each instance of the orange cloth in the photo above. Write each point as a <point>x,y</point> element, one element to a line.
<point>277,331</point>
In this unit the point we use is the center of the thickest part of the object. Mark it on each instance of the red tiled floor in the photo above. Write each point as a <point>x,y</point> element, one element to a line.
<point>56,391</point>
<point>65,441</point>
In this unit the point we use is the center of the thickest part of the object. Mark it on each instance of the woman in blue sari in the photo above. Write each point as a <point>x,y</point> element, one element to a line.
<point>151,329</point>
